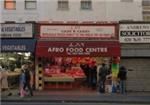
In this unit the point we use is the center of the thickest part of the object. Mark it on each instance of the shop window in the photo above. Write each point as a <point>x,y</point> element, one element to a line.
<point>10,4</point>
<point>63,5</point>
<point>86,5</point>
<point>146,3</point>
<point>30,4</point>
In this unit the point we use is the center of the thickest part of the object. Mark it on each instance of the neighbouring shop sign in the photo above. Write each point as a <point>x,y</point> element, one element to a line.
<point>17,45</point>
<point>16,30</point>
<point>78,49</point>
<point>134,33</point>
<point>75,31</point>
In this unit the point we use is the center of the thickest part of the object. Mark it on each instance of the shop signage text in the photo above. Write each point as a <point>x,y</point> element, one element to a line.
<point>78,49</point>
<point>13,48</point>
<point>16,31</point>
<point>73,31</point>
<point>135,33</point>
<point>17,45</point>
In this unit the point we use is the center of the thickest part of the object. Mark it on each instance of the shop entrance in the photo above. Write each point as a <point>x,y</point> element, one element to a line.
<point>73,72</point>
<point>10,64</point>
<point>73,65</point>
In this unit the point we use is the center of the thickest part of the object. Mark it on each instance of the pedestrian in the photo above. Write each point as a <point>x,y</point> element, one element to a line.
<point>28,76</point>
<point>122,76</point>
<point>93,76</point>
<point>103,71</point>
<point>4,85</point>
<point>22,80</point>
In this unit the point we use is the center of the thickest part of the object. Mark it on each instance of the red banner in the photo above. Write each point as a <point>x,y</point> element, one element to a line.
<point>78,48</point>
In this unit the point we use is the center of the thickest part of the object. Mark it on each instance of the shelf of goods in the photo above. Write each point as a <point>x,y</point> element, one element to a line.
<point>57,79</point>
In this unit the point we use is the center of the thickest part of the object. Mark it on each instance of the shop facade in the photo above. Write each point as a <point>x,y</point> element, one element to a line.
<point>17,47</point>
<point>62,50</point>
<point>135,54</point>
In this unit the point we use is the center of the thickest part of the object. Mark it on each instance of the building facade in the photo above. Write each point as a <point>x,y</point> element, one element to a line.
<point>135,56</point>
<point>70,10</point>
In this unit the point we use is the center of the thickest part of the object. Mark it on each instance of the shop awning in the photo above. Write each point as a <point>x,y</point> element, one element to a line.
<point>17,45</point>
<point>78,48</point>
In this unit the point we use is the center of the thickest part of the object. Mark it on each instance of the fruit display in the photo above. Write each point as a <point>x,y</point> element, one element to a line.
<point>56,71</point>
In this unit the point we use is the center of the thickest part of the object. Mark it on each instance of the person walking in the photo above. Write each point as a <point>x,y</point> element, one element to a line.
<point>22,80</point>
<point>28,76</point>
<point>122,76</point>
<point>93,76</point>
<point>4,82</point>
<point>103,71</point>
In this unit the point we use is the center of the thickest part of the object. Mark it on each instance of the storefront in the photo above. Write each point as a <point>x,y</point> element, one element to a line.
<point>135,52</point>
<point>17,47</point>
<point>64,51</point>
<point>62,61</point>
<point>13,54</point>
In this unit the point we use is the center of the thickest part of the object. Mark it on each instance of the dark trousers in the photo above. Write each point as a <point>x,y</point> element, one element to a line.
<point>27,84</point>
<point>102,86</point>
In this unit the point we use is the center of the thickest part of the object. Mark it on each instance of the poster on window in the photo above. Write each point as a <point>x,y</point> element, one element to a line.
<point>134,33</point>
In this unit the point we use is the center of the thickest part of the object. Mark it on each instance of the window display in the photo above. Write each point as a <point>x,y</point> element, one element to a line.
<point>71,72</point>
<point>11,64</point>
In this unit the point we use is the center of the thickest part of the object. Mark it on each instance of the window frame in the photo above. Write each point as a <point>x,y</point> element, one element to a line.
<point>9,1</point>
<point>30,1</point>
<point>127,1</point>
<point>145,3</point>
<point>60,5</point>
<point>88,5</point>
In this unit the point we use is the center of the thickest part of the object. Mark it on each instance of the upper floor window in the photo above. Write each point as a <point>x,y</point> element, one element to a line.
<point>126,0</point>
<point>30,4</point>
<point>63,4</point>
<point>146,2</point>
<point>86,4</point>
<point>10,4</point>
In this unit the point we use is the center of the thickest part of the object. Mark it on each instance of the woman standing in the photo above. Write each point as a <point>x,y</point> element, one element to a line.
<point>22,82</point>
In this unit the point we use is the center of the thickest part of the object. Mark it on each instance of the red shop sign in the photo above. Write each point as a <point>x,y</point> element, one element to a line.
<point>92,49</point>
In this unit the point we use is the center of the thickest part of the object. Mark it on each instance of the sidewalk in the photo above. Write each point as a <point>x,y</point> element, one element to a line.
<point>78,96</point>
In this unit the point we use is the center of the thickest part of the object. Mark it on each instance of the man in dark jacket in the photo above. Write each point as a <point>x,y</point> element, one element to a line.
<point>102,75</point>
<point>122,76</point>
<point>28,78</point>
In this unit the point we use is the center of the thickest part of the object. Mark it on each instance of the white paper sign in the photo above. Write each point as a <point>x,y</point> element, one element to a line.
<point>77,31</point>
<point>134,33</point>
<point>16,31</point>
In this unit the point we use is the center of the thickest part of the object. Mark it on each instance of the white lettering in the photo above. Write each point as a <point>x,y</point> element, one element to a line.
<point>95,50</point>
<point>57,50</point>
<point>74,50</point>
<point>14,47</point>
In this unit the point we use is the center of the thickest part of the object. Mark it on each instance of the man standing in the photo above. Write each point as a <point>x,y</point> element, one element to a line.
<point>122,77</point>
<point>28,76</point>
<point>102,77</point>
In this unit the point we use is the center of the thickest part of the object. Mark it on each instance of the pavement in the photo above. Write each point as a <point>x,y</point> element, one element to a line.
<point>78,96</point>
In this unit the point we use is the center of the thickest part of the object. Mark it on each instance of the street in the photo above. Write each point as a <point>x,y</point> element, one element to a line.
<point>63,103</point>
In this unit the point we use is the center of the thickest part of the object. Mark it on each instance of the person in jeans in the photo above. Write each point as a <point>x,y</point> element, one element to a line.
<point>28,79</point>
<point>22,81</point>
<point>122,76</point>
